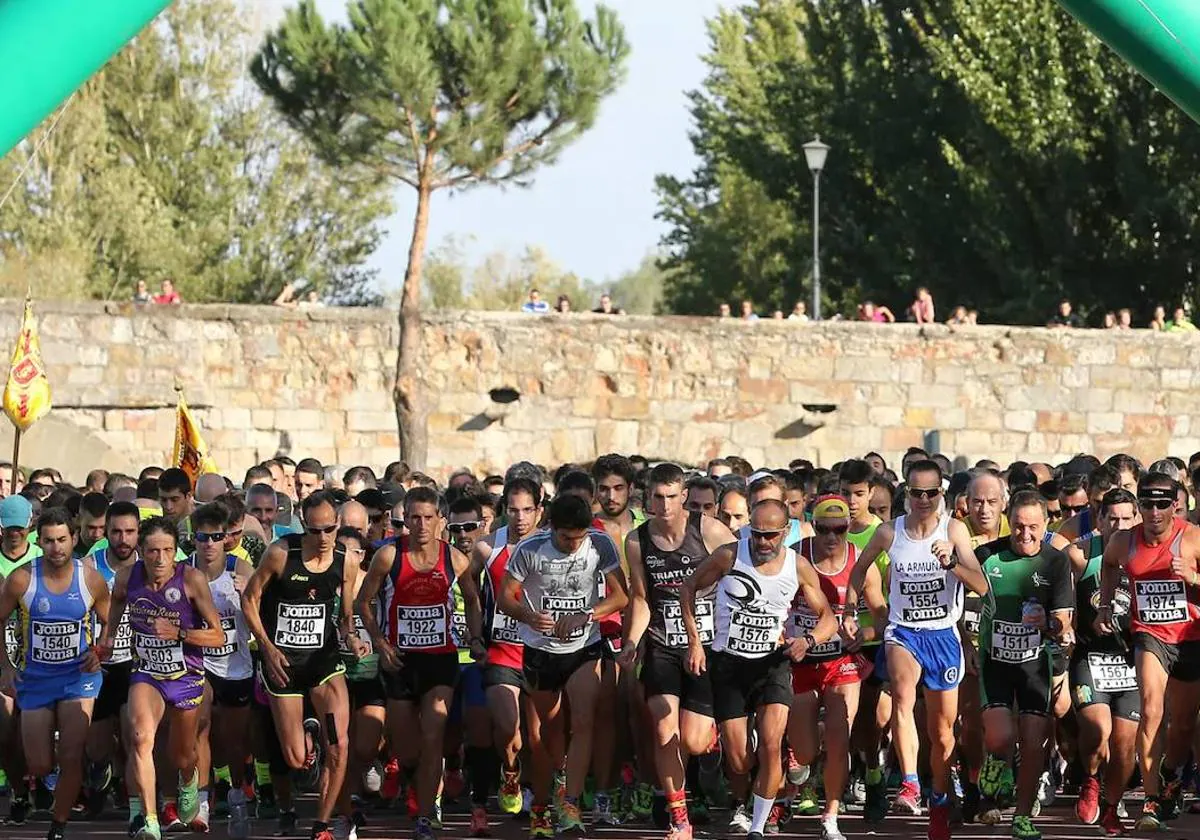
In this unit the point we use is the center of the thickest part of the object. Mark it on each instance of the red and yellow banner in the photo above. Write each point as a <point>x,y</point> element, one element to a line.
<point>27,392</point>
<point>191,452</point>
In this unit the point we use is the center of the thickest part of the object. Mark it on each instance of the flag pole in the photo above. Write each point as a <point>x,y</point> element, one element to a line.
<point>16,461</point>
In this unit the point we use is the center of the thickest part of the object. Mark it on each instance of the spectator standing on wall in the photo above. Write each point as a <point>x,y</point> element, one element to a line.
<point>168,295</point>
<point>1179,322</point>
<point>535,305</point>
<point>605,307</point>
<point>1065,318</point>
<point>799,312</point>
<point>748,311</point>
<point>141,295</point>
<point>922,308</point>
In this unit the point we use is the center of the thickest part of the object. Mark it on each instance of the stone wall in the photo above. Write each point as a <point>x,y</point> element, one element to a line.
<point>264,380</point>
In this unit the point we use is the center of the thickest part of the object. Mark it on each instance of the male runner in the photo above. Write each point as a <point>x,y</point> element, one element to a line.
<point>291,606</point>
<point>16,517</point>
<point>413,579</point>
<point>756,580</point>
<point>309,478</point>
<point>1030,581</point>
<point>1103,680</point>
<point>1160,558</point>
<point>504,678</point>
<point>662,553</point>
<point>831,673</point>
<point>702,495</point>
<point>57,673</point>
<point>869,734</point>
<point>171,615</point>
<point>552,587</point>
<point>930,562</point>
<point>733,508</point>
<point>228,667</point>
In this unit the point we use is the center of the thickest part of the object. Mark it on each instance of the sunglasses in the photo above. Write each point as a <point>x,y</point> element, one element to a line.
<point>1071,510</point>
<point>924,492</point>
<point>461,527</point>
<point>825,530</point>
<point>1157,504</point>
<point>397,523</point>
<point>327,530</point>
<point>766,535</point>
<point>202,537</point>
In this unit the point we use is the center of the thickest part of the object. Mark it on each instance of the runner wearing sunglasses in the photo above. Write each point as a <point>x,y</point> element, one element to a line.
<point>931,562</point>
<point>1161,558</point>
<point>292,607</point>
<point>832,672</point>
<point>756,581</point>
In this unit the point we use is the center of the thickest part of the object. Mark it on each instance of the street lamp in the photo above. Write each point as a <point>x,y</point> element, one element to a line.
<point>815,153</point>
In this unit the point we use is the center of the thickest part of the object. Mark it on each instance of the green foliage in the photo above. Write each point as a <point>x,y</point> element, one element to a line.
<point>168,165</point>
<point>991,150</point>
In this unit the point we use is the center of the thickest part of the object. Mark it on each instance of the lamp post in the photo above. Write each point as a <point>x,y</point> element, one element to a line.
<point>815,153</point>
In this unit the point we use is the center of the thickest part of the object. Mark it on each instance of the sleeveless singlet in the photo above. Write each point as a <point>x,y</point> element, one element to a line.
<point>1163,604</point>
<point>921,594</point>
<point>833,586</point>
<point>162,659</point>
<point>418,605</point>
<point>666,572</point>
<point>56,629</point>
<point>230,661</point>
<point>502,631</point>
<point>752,608</point>
<point>300,607</point>
<point>122,639</point>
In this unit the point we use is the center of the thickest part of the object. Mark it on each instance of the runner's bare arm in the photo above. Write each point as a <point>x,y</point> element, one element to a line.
<point>1070,529</point>
<point>116,608</point>
<point>381,566</point>
<point>967,569</point>
<point>195,583</point>
<point>12,591</point>
<point>827,624</point>
<point>715,533</point>
<point>269,568</point>
<point>880,541</point>
<point>706,575</point>
<point>1110,573</point>
<point>468,585</point>
<point>637,614</point>
<point>479,556</point>
<point>101,598</point>
<point>1074,554</point>
<point>872,595</point>
<point>1185,565</point>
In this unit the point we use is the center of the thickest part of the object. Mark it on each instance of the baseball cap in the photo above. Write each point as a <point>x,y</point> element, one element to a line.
<point>831,507</point>
<point>16,512</point>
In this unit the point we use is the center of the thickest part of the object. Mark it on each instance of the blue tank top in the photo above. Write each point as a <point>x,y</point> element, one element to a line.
<point>56,629</point>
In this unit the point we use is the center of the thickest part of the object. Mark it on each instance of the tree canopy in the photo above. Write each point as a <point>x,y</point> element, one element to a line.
<point>991,150</point>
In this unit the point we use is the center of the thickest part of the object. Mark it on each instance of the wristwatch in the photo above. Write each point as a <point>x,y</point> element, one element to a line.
<point>183,634</point>
<point>809,640</point>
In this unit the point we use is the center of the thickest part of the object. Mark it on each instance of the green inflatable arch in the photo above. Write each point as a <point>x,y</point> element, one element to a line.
<point>48,48</point>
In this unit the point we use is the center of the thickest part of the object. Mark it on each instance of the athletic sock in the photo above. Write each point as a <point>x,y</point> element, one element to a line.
<point>938,799</point>
<point>677,807</point>
<point>911,778</point>
<point>874,775</point>
<point>262,773</point>
<point>135,807</point>
<point>762,810</point>
<point>222,775</point>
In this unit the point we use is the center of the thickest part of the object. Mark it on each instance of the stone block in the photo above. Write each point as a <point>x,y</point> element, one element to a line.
<point>1105,423</point>
<point>1020,421</point>
<point>370,421</point>
<point>770,391</point>
<point>901,438</point>
<point>1060,422</point>
<point>933,396</point>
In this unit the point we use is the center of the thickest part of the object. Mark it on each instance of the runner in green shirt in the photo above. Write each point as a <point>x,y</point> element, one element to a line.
<point>1032,596</point>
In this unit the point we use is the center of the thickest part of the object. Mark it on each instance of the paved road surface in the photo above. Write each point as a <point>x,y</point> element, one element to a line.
<point>1057,824</point>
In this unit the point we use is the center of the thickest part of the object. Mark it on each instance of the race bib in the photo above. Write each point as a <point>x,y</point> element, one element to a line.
<point>505,629</point>
<point>971,621</point>
<point>160,657</point>
<point>54,642</point>
<point>300,626</point>
<point>360,630</point>
<point>122,651</point>
<point>807,622</point>
<point>10,639</point>
<point>673,629</point>
<point>1161,601</point>
<point>1111,672</point>
<point>753,634</point>
<point>230,646</point>
<point>421,628</point>
<point>458,628</point>
<point>922,600</point>
<point>559,607</point>
<point>1014,642</point>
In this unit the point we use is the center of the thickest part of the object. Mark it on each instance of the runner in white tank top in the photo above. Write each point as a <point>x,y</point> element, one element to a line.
<point>757,580</point>
<point>931,562</point>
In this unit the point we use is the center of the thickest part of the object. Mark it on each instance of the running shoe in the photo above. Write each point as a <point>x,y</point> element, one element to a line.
<point>287,823</point>
<point>991,776</point>
<point>643,802</point>
<point>778,816</point>
<point>169,819</point>
<point>189,799</point>
<point>908,799</point>
<point>698,809</point>
<point>540,825</point>
<point>1024,829</point>
<point>148,832</point>
<point>939,822</point>
<point>1087,807</point>
<point>602,811</point>
<point>875,808</point>
<point>680,831</point>
<point>739,820</point>
<point>199,823</point>
<point>479,822</point>
<point>239,815</point>
<point>18,810</point>
<point>1110,821</point>
<point>570,821</point>
<point>1151,818</point>
<point>1171,798</point>
<point>390,789</point>
<point>990,812</point>
<point>806,803</point>
<point>509,795</point>
<point>453,784</point>
<point>830,830</point>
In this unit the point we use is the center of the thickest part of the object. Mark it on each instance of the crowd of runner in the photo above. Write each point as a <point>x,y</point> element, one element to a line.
<point>635,642</point>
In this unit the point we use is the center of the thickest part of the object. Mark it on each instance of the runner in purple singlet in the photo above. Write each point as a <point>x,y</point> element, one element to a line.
<point>170,607</point>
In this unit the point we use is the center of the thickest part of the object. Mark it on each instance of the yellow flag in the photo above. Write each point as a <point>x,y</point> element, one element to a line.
<point>27,393</point>
<point>191,452</point>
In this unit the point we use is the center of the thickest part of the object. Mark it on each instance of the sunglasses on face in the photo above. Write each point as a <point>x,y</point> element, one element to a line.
<point>315,530</point>
<point>924,492</point>
<point>463,527</point>
<point>202,537</point>
<point>397,523</point>
<point>766,535</point>
<point>1071,510</point>
<point>826,530</point>
<point>1157,504</point>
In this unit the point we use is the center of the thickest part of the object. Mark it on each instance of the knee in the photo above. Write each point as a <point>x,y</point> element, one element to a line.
<point>1152,710</point>
<point>738,762</point>
<point>996,739</point>
<point>666,732</point>
<point>337,755</point>
<point>141,739</point>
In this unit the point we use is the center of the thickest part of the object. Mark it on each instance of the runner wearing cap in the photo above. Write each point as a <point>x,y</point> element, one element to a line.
<point>831,673</point>
<point>1160,557</point>
<point>16,517</point>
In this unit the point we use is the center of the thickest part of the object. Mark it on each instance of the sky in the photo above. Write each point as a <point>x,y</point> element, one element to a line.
<point>593,212</point>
